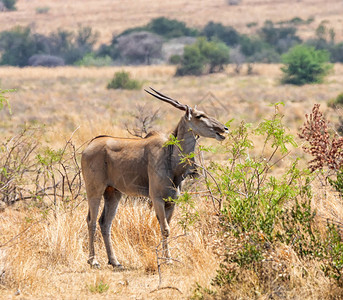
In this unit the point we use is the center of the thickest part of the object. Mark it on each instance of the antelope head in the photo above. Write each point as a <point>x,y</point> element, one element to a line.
<point>198,121</point>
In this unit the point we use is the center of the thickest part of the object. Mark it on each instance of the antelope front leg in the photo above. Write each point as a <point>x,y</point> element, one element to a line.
<point>159,205</point>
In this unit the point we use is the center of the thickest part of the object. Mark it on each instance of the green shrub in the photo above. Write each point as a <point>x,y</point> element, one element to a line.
<point>336,52</point>
<point>281,38</point>
<point>261,212</point>
<point>170,28</point>
<point>226,34</point>
<point>192,62</point>
<point>110,50</point>
<point>122,80</point>
<point>304,64</point>
<point>99,287</point>
<point>175,59</point>
<point>17,46</point>
<point>203,57</point>
<point>9,4</point>
<point>251,45</point>
<point>4,99</point>
<point>216,54</point>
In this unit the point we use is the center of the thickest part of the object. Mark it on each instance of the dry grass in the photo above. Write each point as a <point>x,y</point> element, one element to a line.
<point>47,257</point>
<point>110,17</point>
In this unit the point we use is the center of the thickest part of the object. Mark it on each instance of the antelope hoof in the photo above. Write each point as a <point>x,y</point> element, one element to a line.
<point>117,268</point>
<point>93,263</point>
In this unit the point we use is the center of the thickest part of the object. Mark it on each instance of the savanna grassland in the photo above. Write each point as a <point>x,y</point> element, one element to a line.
<point>44,242</point>
<point>108,17</point>
<point>44,246</point>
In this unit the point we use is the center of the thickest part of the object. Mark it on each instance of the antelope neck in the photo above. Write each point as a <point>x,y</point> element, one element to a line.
<point>186,139</point>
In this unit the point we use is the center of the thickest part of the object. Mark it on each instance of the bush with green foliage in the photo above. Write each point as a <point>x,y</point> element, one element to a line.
<point>203,57</point>
<point>217,31</point>
<point>336,52</point>
<point>17,46</point>
<point>192,62</point>
<point>9,4</point>
<point>170,28</point>
<point>4,99</point>
<point>175,59</point>
<point>281,38</point>
<point>262,211</point>
<point>167,28</point>
<point>110,50</point>
<point>305,64</point>
<point>252,45</point>
<point>79,44</point>
<point>122,80</point>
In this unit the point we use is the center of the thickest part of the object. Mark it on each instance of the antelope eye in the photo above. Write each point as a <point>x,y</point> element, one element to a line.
<point>198,117</point>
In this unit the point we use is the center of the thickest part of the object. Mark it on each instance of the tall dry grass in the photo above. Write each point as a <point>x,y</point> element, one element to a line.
<point>40,252</point>
<point>43,252</point>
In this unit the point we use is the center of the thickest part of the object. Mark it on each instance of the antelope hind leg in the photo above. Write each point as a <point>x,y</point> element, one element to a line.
<point>91,222</point>
<point>112,198</point>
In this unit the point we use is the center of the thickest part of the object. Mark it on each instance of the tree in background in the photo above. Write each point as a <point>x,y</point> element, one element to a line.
<point>227,34</point>
<point>305,64</point>
<point>122,80</point>
<point>203,57</point>
<point>9,4</point>
<point>192,62</point>
<point>140,47</point>
<point>18,45</point>
<point>170,28</point>
<point>282,38</point>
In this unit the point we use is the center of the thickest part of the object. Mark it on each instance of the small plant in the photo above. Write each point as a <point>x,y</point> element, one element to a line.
<point>305,64</point>
<point>4,99</point>
<point>99,287</point>
<point>42,9</point>
<point>122,80</point>
<point>144,119</point>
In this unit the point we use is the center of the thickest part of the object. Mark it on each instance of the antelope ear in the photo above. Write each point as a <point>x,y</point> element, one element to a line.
<point>188,113</point>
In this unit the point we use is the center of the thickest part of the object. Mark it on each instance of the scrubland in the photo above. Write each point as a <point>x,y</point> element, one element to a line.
<point>44,245</point>
<point>108,17</point>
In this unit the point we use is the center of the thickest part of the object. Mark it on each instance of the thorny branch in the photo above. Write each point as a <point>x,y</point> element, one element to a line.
<point>31,173</point>
<point>162,259</point>
<point>144,118</point>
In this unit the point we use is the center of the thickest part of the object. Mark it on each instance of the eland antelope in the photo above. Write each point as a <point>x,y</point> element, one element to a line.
<point>114,166</point>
